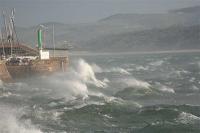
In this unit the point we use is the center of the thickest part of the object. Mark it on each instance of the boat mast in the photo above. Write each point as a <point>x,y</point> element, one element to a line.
<point>53,42</point>
<point>2,43</point>
<point>10,37</point>
<point>5,25</point>
<point>8,32</point>
<point>2,39</point>
<point>14,33</point>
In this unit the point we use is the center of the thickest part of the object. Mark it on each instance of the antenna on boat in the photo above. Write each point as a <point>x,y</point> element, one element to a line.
<point>12,18</point>
<point>53,41</point>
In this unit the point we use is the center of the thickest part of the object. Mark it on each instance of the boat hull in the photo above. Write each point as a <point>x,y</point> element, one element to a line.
<point>34,68</point>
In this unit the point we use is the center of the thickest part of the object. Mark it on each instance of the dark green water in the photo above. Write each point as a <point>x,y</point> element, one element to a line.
<point>144,93</point>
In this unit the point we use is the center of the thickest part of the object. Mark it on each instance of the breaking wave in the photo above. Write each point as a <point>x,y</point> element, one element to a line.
<point>156,63</point>
<point>10,122</point>
<point>142,68</point>
<point>89,98</point>
<point>74,84</point>
<point>194,88</point>
<point>132,82</point>
<point>98,69</point>
<point>163,88</point>
<point>187,118</point>
<point>134,88</point>
<point>85,72</point>
<point>118,70</point>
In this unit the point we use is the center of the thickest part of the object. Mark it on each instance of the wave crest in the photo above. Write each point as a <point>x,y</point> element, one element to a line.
<point>132,82</point>
<point>86,73</point>
<point>187,118</point>
<point>11,124</point>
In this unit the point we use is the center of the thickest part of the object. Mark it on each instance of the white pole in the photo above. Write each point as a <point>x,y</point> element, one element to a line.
<point>53,42</point>
<point>10,28</point>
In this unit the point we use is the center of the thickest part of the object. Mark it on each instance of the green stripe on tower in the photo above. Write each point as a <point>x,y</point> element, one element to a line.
<point>40,39</point>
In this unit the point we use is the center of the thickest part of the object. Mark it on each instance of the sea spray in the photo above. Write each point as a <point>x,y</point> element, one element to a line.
<point>10,122</point>
<point>98,69</point>
<point>86,73</point>
<point>187,118</point>
<point>132,82</point>
<point>162,88</point>
<point>157,63</point>
<point>74,83</point>
<point>69,102</point>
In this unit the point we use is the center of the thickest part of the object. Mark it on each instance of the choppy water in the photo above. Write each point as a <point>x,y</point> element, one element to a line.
<point>150,93</point>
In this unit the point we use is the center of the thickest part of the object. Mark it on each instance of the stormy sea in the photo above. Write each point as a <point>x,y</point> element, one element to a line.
<point>111,93</point>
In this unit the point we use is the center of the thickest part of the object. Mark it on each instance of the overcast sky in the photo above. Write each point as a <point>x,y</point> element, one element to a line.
<point>32,12</point>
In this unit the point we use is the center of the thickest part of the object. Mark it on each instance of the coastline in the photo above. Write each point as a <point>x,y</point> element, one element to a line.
<point>128,52</point>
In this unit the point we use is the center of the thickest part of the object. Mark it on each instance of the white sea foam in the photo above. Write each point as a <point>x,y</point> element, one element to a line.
<point>164,88</point>
<point>194,88</point>
<point>69,89</point>
<point>78,88</point>
<point>74,83</point>
<point>48,115</point>
<point>121,102</point>
<point>10,124</point>
<point>56,115</point>
<point>52,104</point>
<point>139,68</point>
<point>192,79</point>
<point>107,116</point>
<point>156,63</point>
<point>118,70</point>
<point>86,73</point>
<point>98,69</point>
<point>6,94</point>
<point>105,80</point>
<point>178,73</point>
<point>78,106</point>
<point>112,100</point>
<point>132,82</point>
<point>167,89</point>
<point>187,118</point>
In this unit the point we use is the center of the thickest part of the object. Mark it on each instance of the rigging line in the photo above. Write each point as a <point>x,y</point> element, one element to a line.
<point>1,38</point>
<point>13,25</point>
<point>5,25</point>
<point>10,37</point>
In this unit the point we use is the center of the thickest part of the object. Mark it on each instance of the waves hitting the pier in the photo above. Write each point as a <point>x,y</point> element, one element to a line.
<point>144,93</point>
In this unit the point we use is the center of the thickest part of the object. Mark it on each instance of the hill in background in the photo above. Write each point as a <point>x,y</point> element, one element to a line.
<point>178,29</point>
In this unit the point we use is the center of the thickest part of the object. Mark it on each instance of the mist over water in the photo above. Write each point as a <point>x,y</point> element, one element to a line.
<point>144,93</point>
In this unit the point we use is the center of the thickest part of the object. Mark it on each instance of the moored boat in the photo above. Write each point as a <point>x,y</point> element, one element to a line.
<point>21,61</point>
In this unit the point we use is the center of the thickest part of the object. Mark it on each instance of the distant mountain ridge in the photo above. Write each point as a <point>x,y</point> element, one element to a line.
<point>149,21</point>
<point>125,32</point>
<point>194,10</point>
<point>173,38</point>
